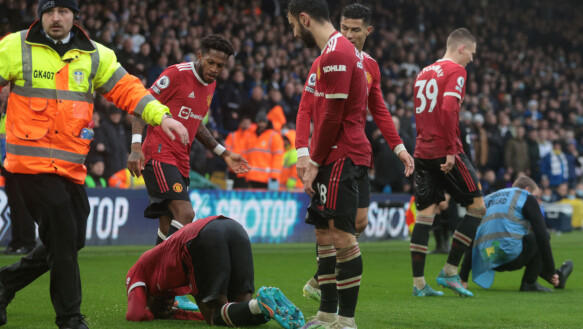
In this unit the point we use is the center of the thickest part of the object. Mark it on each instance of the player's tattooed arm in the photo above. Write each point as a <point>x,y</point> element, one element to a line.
<point>204,136</point>
<point>136,159</point>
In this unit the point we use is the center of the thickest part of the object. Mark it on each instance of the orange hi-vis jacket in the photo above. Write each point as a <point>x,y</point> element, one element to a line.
<point>265,156</point>
<point>51,100</point>
<point>236,141</point>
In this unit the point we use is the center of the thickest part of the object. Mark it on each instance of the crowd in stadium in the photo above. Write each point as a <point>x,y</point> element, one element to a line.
<point>523,110</point>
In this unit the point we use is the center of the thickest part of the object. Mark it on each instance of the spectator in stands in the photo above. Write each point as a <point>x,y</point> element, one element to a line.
<point>107,140</point>
<point>256,103</point>
<point>516,152</point>
<point>480,142</point>
<point>555,165</point>
<point>94,177</point>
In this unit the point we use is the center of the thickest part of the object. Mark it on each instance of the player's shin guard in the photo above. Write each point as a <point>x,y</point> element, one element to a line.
<point>161,237</point>
<point>174,227</point>
<point>349,269</point>
<point>236,315</point>
<point>327,278</point>
<point>464,235</point>
<point>419,242</point>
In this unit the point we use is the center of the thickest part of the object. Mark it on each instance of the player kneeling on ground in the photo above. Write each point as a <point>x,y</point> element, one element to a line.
<point>511,236</point>
<point>211,259</point>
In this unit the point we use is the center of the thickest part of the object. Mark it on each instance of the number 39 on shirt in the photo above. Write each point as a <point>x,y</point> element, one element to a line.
<point>428,90</point>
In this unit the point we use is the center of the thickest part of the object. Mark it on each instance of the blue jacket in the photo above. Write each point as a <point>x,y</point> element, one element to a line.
<point>499,237</point>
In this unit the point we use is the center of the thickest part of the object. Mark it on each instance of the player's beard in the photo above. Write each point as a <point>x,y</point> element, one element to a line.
<point>307,37</point>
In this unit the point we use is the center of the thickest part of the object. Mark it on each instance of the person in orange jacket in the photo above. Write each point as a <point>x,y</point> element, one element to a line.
<point>264,153</point>
<point>236,141</point>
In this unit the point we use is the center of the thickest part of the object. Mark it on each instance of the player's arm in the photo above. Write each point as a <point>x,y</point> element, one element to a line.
<point>384,121</point>
<point>234,161</point>
<point>138,305</point>
<point>449,114</point>
<point>136,158</point>
<point>532,212</point>
<point>337,84</point>
<point>303,119</point>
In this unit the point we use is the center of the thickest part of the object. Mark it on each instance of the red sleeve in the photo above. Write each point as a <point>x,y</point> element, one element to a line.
<point>137,305</point>
<point>449,117</point>
<point>303,119</point>
<point>337,70</point>
<point>452,97</point>
<point>187,315</point>
<point>380,113</point>
<point>166,85</point>
<point>333,117</point>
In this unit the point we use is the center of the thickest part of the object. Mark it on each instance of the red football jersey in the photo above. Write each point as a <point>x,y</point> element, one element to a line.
<point>304,116</point>
<point>376,103</point>
<point>161,269</point>
<point>438,132</point>
<point>187,95</point>
<point>337,132</point>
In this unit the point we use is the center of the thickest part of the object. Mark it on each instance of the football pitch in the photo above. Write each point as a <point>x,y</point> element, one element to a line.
<point>385,299</point>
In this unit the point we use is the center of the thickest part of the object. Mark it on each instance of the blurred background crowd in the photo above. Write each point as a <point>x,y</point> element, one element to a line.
<point>523,110</point>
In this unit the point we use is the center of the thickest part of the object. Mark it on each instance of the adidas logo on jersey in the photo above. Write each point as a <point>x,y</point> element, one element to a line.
<point>191,95</point>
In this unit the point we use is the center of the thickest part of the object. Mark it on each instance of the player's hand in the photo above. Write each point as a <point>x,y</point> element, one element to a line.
<point>236,162</point>
<point>309,177</point>
<point>464,284</point>
<point>171,127</point>
<point>555,280</point>
<point>448,165</point>
<point>301,167</point>
<point>407,160</point>
<point>136,160</point>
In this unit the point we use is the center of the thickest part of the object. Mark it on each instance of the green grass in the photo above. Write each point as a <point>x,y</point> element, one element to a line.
<point>385,299</point>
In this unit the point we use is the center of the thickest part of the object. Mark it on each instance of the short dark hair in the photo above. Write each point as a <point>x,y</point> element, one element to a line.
<point>317,9</point>
<point>523,182</point>
<point>218,43</point>
<point>357,11</point>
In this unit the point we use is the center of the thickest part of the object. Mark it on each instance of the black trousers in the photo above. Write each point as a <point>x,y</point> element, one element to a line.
<point>529,258</point>
<point>60,208</point>
<point>22,224</point>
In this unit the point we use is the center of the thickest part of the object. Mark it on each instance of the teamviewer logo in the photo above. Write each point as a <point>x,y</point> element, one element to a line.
<point>184,112</point>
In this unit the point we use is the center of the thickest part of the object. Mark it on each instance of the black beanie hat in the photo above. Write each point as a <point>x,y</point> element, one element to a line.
<point>44,5</point>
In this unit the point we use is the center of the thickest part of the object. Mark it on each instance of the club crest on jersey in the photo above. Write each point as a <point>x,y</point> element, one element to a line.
<point>318,73</point>
<point>79,77</point>
<point>209,99</point>
<point>368,78</point>
<point>177,187</point>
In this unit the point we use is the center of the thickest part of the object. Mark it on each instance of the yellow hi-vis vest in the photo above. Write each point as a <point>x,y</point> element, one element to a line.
<point>51,100</point>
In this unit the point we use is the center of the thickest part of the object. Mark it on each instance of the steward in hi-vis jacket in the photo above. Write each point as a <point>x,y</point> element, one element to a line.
<point>53,69</point>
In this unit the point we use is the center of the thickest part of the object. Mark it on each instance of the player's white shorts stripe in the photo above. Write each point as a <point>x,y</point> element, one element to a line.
<point>337,96</point>
<point>136,284</point>
<point>449,93</point>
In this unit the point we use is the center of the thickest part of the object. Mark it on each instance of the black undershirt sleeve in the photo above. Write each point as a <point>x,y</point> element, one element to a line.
<point>532,212</point>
